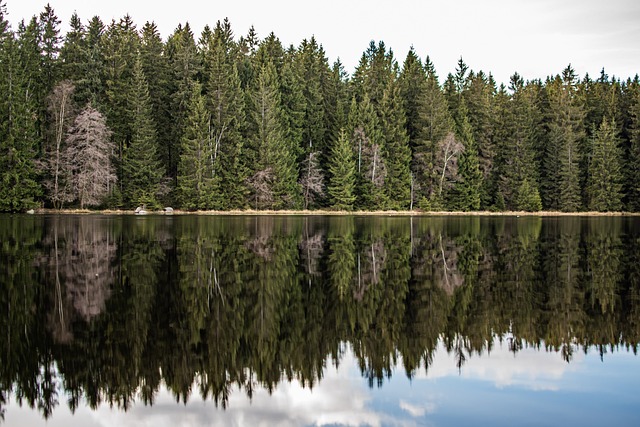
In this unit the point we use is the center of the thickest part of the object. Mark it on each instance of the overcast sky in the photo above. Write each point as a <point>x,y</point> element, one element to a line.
<point>536,38</point>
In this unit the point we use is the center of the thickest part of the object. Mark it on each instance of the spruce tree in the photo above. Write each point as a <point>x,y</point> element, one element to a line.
<point>632,164</point>
<point>275,176</point>
<point>437,124</point>
<point>225,100</point>
<point>195,177</point>
<point>397,154</point>
<point>142,171</point>
<point>563,156</point>
<point>342,170</point>
<point>605,176</point>
<point>19,140</point>
<point>184,66</point>
<point>466,195</point>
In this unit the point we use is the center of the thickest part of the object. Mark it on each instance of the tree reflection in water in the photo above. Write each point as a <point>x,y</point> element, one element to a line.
<point>107,308</point>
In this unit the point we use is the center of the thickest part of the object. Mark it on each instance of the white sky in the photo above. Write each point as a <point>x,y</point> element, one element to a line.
<point>536,38</point>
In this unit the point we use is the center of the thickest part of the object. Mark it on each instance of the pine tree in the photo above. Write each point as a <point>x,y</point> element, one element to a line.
<point>142,171</point>
<point>342,169</point>
<point>195,178</point>
<point>605,175</point>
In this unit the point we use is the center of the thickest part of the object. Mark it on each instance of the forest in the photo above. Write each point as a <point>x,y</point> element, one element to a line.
<point>111,115</point>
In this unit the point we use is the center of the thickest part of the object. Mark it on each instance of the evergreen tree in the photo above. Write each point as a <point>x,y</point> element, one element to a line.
<point>195,178</point>
<point>226,103</point>
<point>515,161</point>
<point>156,70</point>
<point>466,195</point>
<point>479,101</point>
<point>632,163</point>
<point>342,169</point>
<point>563,157</point>
<point>184,66</point>
<point>50,47</point>
<point>368,146</point>
<point>19,140</point>
<point>437,124</point>
<point>412,81</point>
<point>397,154</point>
<point>121,45</point>
<point>141,166</point>
<point>605,175</point>
<point>275,179</point>
<point>73,54</point>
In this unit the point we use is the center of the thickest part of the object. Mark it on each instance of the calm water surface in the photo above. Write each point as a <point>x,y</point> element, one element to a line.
<point>301,321</point>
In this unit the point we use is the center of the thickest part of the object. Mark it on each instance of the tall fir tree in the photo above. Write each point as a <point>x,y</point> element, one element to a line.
<point>195,177</point>
<point>397,153</point>
<point>184,67</point>
<point>275,175</point>
<point>480,104</point>
<point>19,140</point>
<point>121,45</point>
<point>437,123</point>
<point>466,194</point>
<point>225,101</point>
<point>515,160</point>
<point>563,156</point>
<point>632,163</point>
<point>342,170</point>
<point>156,70</point>
<point>605,176</point>
<point>141,168</point>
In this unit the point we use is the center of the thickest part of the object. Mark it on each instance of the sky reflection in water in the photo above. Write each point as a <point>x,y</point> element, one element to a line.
<point>533,387</point>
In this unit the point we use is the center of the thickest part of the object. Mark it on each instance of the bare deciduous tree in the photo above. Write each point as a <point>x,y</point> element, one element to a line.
<point>261,184</point>
<point>446,162</point>
<point>60,107</point>
<point>312,179</point>
<point>89,152</point>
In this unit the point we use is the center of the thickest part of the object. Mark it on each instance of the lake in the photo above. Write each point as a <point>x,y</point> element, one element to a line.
<point>319,320</point>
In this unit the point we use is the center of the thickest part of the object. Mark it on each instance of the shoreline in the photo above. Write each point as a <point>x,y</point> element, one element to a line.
<point>251,212</point>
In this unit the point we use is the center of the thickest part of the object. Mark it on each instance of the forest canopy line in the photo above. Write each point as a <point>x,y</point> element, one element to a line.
<point>111,115</point>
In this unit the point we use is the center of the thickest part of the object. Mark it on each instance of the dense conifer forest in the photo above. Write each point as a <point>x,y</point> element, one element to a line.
<point>111,115</point>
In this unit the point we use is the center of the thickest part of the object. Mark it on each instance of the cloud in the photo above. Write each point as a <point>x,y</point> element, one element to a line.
<point>418,410</point>
<point>529,368</point>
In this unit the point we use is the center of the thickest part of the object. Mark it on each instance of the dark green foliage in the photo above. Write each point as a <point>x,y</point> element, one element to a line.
<point>195,175</point>
<point>342,170</point>
<point>19,138</point>
<point>141,168</point>
<point>605,178</point>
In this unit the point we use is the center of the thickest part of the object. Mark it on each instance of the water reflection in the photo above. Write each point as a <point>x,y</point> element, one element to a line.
<point>112,310</point>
